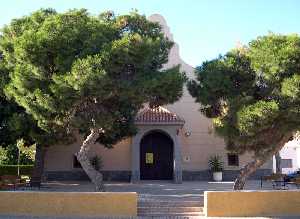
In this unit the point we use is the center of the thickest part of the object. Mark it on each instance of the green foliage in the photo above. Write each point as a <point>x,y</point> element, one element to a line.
<point>96,162</point>
<point>73,70</point>
<point>15,123</point>
<point>256,117</point>
<point>252,93</point>
<point>9,154</point>
<point>276,56</point>
<point>26,151</point>
<point>215,163</point>
<point>3,155</point>
<point>13,169</point>
<point>4,75</point>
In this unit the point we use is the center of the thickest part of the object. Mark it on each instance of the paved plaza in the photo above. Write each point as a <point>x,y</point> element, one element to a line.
<point>157,190</point>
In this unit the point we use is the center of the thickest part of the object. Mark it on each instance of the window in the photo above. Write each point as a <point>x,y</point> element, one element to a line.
<point>76,163</point>
<point>286,163</point>
<point>233,159</point>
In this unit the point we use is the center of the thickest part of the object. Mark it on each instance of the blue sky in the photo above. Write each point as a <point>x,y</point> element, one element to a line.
<point>202,28</point>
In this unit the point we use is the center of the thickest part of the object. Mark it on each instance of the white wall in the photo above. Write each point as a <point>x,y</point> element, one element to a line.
<point>291,150</point>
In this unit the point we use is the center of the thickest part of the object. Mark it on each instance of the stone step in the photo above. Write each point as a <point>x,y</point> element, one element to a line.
<point>183,215</point>
<point>158,208</point>
<point>169,209</point>
<point>170,204</point>
<point>160,211</point>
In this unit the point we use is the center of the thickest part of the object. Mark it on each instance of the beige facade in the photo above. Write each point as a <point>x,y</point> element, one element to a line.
<point>195,138</point>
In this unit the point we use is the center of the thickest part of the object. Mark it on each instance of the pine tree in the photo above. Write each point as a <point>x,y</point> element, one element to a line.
<point>253,95</point>
<point>73,71</point>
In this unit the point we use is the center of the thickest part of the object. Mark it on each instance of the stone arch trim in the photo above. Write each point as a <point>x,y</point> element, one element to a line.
<point>158,130</point>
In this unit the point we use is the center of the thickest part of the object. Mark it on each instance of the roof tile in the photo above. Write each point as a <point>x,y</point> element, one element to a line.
<point>158,115</point>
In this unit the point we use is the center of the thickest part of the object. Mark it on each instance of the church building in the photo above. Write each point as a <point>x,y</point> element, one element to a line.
<point>174,142</point>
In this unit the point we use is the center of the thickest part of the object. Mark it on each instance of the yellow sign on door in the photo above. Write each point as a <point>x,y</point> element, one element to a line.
<point>149,158</point>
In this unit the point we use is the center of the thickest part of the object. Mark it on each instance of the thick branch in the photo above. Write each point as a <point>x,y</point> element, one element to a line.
<point>82,156</point>
<point>251,167</point>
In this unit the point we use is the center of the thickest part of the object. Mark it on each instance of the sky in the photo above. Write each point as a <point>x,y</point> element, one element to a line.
<point>204,29</point>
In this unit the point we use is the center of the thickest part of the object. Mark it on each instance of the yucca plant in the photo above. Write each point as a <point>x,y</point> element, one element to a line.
<point>215,163</point>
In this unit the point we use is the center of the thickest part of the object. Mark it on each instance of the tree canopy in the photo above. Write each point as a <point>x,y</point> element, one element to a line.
<point>253,95</point>
<point>15,122</point>
<point>76,70</point>
<point>17,125</point>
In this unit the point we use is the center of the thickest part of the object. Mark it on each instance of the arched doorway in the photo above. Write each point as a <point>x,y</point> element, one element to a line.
<point>156,157</point>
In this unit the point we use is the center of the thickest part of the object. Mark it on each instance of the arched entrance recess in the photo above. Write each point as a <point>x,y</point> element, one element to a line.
<point>163,126</point>
<point>156,156</point>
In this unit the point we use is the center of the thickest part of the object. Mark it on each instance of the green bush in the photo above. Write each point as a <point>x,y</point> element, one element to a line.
<point>3,155</point>
<point>13,169</point>
<point>215,163</point>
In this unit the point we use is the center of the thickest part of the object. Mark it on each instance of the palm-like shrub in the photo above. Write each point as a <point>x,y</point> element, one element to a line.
<point>215,163</point>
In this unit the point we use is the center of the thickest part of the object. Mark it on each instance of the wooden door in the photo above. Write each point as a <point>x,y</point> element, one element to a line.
<point>156,157</point>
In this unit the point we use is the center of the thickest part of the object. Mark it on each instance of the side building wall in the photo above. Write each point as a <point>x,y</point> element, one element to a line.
<point>116,162</point>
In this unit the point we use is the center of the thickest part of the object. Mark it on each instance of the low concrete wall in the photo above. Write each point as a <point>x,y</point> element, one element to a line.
<point>252,203</point>
<point>68,204</point>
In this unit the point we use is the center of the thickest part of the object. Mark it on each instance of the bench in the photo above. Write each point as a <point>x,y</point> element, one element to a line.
<point>277,179</point>
<point>35,181</point>
<point>296,182</point>
<point>11,182</point>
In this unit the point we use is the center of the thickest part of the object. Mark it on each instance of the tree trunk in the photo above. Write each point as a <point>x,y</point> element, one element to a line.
<point>251,167</point>
<point>39,164</point>
<point>247,170</point>
<point>278,162</point>
<point>82,156</point>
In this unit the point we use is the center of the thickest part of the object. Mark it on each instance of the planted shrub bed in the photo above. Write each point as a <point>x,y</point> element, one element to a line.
<point>13,169</point>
